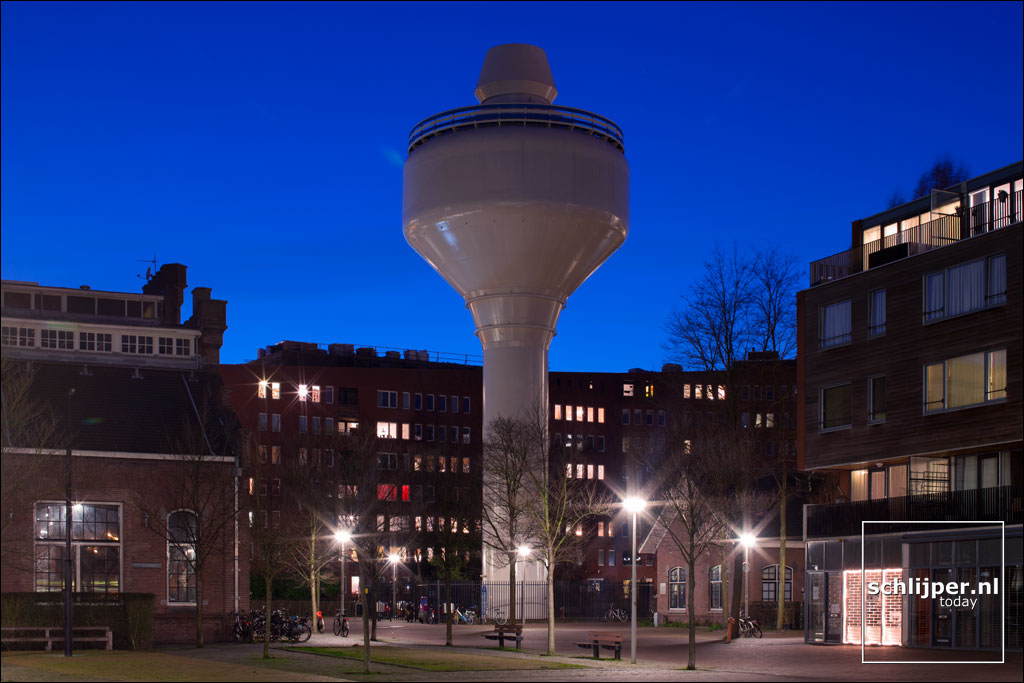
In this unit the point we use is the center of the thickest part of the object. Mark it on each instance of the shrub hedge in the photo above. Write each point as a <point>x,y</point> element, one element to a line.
<point>129,615</point>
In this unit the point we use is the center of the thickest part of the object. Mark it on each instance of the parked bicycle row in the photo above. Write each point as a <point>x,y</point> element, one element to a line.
<point>251,627</point>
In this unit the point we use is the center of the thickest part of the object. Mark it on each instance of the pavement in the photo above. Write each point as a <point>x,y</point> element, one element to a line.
<point>661,654</point>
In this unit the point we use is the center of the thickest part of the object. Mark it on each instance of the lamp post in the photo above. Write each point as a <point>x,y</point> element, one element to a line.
<point>68,515</point>
<point>747,539</point>
<point>393,559</point>
<point>343,538</point>
<point>523,552</point>
<point>633,505</point>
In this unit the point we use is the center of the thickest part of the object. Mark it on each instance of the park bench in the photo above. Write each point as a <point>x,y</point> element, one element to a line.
<point>598,639</point>
<point>55,634</point>
<point>500,633</point>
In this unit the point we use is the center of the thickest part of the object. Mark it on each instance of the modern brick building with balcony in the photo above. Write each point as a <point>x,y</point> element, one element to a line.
<point>910,376</point>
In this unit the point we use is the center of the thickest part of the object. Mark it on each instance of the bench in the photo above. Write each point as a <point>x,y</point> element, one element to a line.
<point>55,634</point>
<point>598,639</point>
<point>500,633</point>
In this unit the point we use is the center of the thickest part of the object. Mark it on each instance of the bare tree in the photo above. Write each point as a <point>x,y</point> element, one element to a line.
<point>31,430</point>
<point>943,173</point>
<point>196,509</point>
<point>455,505</point>
<point>510,451</point>
<point>772,320</point>
<point>558,507</point>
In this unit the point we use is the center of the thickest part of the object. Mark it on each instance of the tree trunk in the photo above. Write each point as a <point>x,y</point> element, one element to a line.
<point>448,615</point>
<point>268,582</point>
<point>313,588</point>
<point>551,605</point>
<point>780,621</point>
<point>725,585</point>
<point>512,588</point>
<point>691,656</point>
<point>199,609</point>
<point>366,621</point>
<point>373,615</point>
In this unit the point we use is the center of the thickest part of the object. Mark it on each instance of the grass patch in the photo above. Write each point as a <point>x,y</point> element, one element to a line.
<point>430,660</point>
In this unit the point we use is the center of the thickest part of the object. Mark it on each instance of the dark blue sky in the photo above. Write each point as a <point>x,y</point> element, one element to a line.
<point>261,145</point>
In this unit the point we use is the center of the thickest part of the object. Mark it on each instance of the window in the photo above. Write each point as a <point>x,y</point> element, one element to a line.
<point>181,556</point>
<point>686,391</point>
<point>876,399</point>
<point>638,416</point>
<point>275,390</point>
<point>302,424</point>
<point>677,588</point>
<point>429,404</point>
<point>165,346</point>
<point>465,435</point>
<point>965,288</point>
<point>600,557</point>
<point>876,313</point>
<point>262,422</point>
<point>57,339</point>
<point>858,485</point>
<point>835,325</point>
<point>970,380</point>
<point>387,399</point>
<point>329,425</point>
<point>93,341</point>
<point>348,396</point>
<point>627,389</point>
<point>95,549</point>
<point>442,433</point>
<point>442,403</point>
<point>261,454</point>
<point>590,414</point>
<point>611,556</point>
<point>314,394</point>
<point>649,390</point>
<point>835,407</point>
<point>650,418</point>
<point>600,445</point>
<point>131,343</point>
<point>579,413</point>
<point>558,411</point>
<point>275,455</point>
<point>715,587</point>
<point>328,394</point>
<point>387,430</point>
<point>417,403</point>
<point>417,432</point>
<point>453,402</point>
<point>429,432</point>
<point>19,336</point>
<point>770,584</point>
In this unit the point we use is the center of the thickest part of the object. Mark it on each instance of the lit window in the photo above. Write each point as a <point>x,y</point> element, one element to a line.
<point>698,391</point>
<point>558,411</point>
<point>600,415</point>
<point>275,455</point>
<point>721,392</point>
<point>600,533</point>
<point>275,390</point>
<point>974,379</point>
<point>387,430</point>
<point>405,430</point>
<point>686,391</point>
<point>677,588</point>
<point>579,413</point>
<point>181,557</point>
<point>600,471</point>
<point>579,471</point>
<point>261,391</point>
<point>590,471</point>
<point>627,389</point>
<point>303,392</point>
<point>965,288</point>
<point>95,550</point>
<point>315,394</point>
<point>568,470</point>
<point>568,413</point>
<point>649,390</point>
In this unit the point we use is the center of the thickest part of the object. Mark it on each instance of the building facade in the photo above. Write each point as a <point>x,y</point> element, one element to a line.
<point>115,381</point>
<point>910,375</point>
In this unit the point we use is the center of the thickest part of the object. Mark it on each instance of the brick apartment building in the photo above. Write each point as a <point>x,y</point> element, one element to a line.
<point>123,383</point>
<point>910,375</point>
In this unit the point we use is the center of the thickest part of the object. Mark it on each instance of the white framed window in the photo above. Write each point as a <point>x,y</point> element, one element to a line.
<point>835,407</point>
<point>95,341</point>
<point>314,393</point>
<point>181,557</point>
<point>165,346</point>
<point>627,389</point>
<point>387,399</point>
<point>95,546</point>
<point>965,288</point>
<point>964,381</point>
<point>387,430</point>
<point>677,588</point>
<point>834,327</point>
<point>876,313</point>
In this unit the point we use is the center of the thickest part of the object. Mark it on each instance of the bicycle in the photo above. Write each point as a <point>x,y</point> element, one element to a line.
<point>749,627</point>
<point>319,621</point>
<point>463,617</point>
<point>243,629</point>
<point>616,614</point>
<point>341,627</point>
<point>498,616</point>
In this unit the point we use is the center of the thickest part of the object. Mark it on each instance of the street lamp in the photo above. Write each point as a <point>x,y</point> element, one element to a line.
<point>393,558</point>
<point>343,537</point>
<point>633,505</point>
<point>748,540</point>
<point>523,552</point>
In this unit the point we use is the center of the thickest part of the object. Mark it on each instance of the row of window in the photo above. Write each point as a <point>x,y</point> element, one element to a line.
<point>64,340</point>
<point>584,471</point>
<point>931,475</point>
<point>769,586</point>
<point>347,396</point>
<point>579,413</point>
<point>423,463</point>
<point>96,550</point>
<point>964,381</point>
<point>954,291</point>
<point>305,423</point>
<point>641,417</point>
<point>607,558</point>
<point>421,432</point>
<point>442,402</point>
<point>578,441</point>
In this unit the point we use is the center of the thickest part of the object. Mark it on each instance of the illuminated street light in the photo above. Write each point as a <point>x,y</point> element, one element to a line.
<point>343,537</point>
<point>748,540</point>
<point>523,552</point>
<point>634,506</point>
<point>393,558</point>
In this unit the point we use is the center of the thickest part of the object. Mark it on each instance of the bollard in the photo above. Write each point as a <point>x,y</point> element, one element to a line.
<point>728,635</point>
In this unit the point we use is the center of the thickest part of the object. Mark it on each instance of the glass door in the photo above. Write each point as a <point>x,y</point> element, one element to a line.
<point>816,608</point>
<point>942,629</point>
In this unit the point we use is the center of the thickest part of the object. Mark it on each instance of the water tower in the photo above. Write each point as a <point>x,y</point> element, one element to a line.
<point>515,202</point>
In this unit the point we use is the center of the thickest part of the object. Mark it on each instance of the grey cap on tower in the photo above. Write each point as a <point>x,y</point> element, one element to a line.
<point>516,73</point>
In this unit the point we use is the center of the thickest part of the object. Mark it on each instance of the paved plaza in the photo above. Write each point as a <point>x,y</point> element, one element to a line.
<point>661,654</point>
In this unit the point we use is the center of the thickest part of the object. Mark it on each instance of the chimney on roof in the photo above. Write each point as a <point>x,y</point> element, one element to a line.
<point>210,317</point>
<point>169,282</point>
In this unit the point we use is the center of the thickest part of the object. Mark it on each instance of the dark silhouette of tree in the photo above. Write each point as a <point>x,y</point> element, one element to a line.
<point>943,173</point>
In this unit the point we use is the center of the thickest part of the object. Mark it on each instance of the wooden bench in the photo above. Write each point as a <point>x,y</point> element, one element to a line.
<point>55,634</point>
<point>500,633</point>
<point>598,639</point>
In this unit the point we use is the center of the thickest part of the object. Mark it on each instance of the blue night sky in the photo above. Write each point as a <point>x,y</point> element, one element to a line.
<point>261,145</point>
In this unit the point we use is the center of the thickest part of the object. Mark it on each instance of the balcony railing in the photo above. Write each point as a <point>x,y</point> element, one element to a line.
<point>1002,503</point>
<point>939,232</point>
<point>516,115</point>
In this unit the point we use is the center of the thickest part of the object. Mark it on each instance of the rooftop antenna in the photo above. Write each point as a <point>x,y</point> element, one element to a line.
<point>150,270</point>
